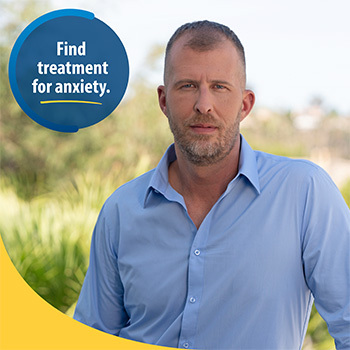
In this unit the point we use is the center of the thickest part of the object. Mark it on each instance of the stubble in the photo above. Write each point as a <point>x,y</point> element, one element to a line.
<point>201,149</point>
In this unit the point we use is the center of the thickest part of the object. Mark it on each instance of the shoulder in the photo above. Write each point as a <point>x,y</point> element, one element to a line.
<point>132,193</point>
<point>299,172</point>
<point>271,160</point>
<point>266,161</point>
<point>139,184</point>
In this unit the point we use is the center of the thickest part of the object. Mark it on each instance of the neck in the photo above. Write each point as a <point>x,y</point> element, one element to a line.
<point>203,182</point>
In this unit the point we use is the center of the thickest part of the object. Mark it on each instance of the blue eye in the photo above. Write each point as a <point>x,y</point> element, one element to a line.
<point>189,85</point>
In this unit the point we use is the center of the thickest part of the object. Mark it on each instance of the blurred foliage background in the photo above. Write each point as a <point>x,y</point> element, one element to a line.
<point>53,185</point>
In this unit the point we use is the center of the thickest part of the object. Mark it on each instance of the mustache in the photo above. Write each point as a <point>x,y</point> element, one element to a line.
<point>203,118</point>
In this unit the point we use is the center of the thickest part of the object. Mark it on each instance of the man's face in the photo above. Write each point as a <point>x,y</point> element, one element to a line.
<point>203,98</point>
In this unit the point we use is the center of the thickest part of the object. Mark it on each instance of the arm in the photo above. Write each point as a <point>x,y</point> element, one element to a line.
<point>100,303</point>
<point>326,255</point>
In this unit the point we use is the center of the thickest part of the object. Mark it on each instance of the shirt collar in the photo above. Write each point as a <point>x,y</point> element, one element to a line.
<point>247,166</point>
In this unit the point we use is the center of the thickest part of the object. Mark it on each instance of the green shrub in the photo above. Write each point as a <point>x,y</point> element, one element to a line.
<point>48,237</point>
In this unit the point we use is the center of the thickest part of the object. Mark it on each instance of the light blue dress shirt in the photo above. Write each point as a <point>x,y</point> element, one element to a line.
<point>277,238</point>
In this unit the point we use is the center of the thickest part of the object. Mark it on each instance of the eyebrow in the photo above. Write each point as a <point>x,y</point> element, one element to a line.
<point>187,81</point>
<point>183,81</point>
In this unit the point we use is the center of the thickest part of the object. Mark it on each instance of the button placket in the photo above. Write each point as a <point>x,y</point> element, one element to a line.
<point>195,285</point>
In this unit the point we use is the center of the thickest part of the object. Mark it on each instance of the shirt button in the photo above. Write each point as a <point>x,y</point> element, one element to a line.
<point>192,300</point>
<point>185,345</point>
<point>197,252</point>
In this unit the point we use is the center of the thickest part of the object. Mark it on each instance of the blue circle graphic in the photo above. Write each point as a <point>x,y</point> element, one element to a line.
<point>68,70</point>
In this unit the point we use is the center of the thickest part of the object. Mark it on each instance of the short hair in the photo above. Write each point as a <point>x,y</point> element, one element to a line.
<point>206,35</point>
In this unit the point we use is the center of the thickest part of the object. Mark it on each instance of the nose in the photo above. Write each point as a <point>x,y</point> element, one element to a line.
<point>203,103</point>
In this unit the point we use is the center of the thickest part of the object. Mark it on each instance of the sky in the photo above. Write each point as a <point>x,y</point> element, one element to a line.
<point>295,50</point>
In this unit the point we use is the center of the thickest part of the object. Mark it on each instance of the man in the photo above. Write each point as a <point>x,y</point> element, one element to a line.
<point>220,246</point>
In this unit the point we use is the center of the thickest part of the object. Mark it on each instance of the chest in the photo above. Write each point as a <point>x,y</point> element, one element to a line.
<point>198,209</point>
<point>239,249</point>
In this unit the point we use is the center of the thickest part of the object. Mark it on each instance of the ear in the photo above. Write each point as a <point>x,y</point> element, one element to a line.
<point>247,103</point>
<point>162,98</point>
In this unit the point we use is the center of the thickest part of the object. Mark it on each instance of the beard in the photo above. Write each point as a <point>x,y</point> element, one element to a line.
<point>201,149</point>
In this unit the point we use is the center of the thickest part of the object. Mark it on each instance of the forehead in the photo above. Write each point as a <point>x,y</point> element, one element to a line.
<point>220,59</point>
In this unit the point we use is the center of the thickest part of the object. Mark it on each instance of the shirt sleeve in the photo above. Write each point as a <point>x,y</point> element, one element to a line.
<point>100,304</point>
<point>326,254</point>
